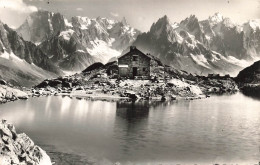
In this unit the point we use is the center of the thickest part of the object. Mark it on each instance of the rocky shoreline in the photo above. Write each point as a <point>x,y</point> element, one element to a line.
<point>251,90</point>
<point>8,94</point>
<point>104,88</point>
<point>102,82</point>
<point>248,80</point>
<point>19,148</point>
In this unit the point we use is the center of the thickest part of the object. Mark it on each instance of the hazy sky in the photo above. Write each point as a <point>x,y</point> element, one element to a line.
<point>139,13</point>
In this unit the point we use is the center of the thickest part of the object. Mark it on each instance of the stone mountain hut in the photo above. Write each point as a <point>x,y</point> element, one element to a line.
<point>134,64</point>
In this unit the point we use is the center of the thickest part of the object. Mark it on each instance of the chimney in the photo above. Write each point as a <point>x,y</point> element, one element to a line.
<point>132,48</point>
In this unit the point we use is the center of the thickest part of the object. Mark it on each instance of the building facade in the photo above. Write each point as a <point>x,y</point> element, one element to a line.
<point>134,64</point>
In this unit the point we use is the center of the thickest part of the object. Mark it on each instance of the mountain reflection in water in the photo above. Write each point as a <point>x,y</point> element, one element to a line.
<point>132,110</point>
<point>215,130</point>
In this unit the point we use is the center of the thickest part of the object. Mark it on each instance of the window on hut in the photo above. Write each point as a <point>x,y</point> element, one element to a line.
<point>135,57</point>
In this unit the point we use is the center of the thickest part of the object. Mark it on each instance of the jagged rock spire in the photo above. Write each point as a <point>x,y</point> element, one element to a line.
<point>124,21</point>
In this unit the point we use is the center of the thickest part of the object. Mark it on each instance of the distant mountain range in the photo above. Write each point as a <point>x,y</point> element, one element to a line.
<point>48,44</point>
<point>79,42</point>
<point>214,45</point>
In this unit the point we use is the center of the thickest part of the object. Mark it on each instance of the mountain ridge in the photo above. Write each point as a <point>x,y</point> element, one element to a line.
<point>92,40</point>
<point>54,43</point>
<point>214,45</point>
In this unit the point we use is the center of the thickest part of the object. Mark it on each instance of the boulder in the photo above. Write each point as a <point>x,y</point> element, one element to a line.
<point>3,82</point>
<point>67,84</point>
<point>163,98</point>
<point>173,97</point>
<point>19,148</point>
<point>43,84</point>
<point>132,95</point>
<point>55,83</point>
<point>20,94</point>
<point>9,95</point>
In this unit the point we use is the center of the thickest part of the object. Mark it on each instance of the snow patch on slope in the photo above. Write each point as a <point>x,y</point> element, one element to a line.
<point>66,34</point>
<point>5,55</point>
<point>242,63</point>
<point>215,19</point>
<point>254,24</point>
<point>200,60</point>
<point>11,56</point>
<point>103,50</point>
<point>180,84</point>
<point>67,23</point>
<point>81,51</point>
<point>231,59</point>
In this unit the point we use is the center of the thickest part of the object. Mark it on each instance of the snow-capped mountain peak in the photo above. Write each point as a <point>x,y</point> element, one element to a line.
<point>215,45</point>
<point>162,27</point>
<point>190,23</point>
<point>253,24</point>
<point>216,18</point>
<point>124,22</point>
<point>210,44</point>
<point>175,25</point>
<point>229,23</point>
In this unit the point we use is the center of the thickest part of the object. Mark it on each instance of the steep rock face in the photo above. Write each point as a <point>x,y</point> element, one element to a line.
<point>13,44</point>
<point>250,74</point>
<point>251,40</point>
<point>215,45</point>
<point>97,39</point>
<point>228,39</point>
<point>77,61</point>
<point>40,25</point>
<point>22,62</point>
<point>19,148</point>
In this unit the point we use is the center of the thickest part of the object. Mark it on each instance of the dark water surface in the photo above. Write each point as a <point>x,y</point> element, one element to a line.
<point>220,129</point>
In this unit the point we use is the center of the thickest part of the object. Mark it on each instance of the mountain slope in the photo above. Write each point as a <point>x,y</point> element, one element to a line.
<point>40,25</point>
<point>22,62</point>
<point>250,74</point>
<point>248,80</point>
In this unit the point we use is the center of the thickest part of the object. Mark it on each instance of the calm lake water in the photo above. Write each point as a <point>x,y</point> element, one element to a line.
<point>220,129</point>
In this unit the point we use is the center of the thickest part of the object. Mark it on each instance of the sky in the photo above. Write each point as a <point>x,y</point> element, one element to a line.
<point>139,13</point>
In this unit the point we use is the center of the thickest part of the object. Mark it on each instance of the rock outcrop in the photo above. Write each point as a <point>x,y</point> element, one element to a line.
<point>249,80</point>
<point>19,149</point>
<point>11,94</point>
<point>250,75</point>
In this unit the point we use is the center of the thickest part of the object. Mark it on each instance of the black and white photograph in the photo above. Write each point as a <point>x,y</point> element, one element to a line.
<point>129,82</point>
